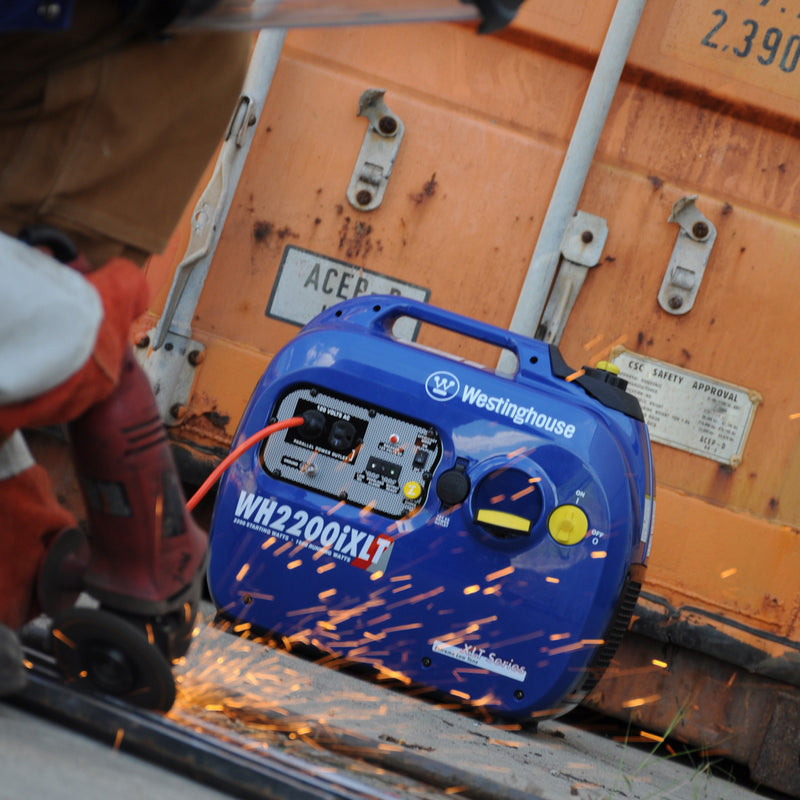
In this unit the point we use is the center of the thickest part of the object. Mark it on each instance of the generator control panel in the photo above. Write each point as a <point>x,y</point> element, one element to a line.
<point>353,451</point>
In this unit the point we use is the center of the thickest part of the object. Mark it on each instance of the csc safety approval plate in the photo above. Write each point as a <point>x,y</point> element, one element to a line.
<point>690,411</point>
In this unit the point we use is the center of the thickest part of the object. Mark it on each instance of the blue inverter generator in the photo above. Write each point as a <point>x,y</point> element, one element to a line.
<point>478,535</point>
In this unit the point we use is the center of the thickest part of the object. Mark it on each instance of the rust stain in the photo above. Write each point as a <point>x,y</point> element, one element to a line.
<point>216,419</point>
<point>428,190</point>
<point>355,239</point>
<point>263,231</point>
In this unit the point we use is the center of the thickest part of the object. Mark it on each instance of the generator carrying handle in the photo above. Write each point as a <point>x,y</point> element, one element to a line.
<point>380,312</point>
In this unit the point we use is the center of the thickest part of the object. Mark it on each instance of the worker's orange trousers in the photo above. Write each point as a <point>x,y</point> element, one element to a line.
<point>30,516</point>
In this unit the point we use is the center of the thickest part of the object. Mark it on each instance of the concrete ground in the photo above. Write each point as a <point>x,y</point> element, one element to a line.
<point>260,697</point>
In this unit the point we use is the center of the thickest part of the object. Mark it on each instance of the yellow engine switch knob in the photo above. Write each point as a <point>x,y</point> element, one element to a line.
<point>568,524</point>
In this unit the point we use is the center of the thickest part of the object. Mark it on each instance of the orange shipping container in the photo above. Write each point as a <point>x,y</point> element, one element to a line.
<point>697,178</point>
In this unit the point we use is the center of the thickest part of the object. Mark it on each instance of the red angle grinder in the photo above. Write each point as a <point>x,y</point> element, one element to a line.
<point>143,559</point>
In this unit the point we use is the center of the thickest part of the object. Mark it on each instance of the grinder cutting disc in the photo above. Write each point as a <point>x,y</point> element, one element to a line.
<point>102,652</point>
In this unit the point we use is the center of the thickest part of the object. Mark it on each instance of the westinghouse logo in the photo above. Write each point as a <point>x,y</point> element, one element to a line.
<point>442,385</point>
<point>518,414</point>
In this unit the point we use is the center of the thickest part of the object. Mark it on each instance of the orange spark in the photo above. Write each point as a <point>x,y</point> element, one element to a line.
<point>242,572</point>
<point>472,589</point>
<point>462,695</point>
<point>557,637</point>
<point>498,498</point>
<point>504,743</point>
<point>501,573</point>
<point>599,554</point>
<point>271,541</point>
<point>553,580</point>
<point>652,736</point>
<point>321,552</point>
<point>641,701</point>
<point>326,567</point>
<point>728,572</point>
<point>592,342</point>
<point>63,638</point>
<point>523,492</point>
<point>656,663</point>
<point>410,627</point>
<point>568,648</point>
<point>398,578</point>
<point>294,564</point>
<point>401,588</point>
<point>327,593</point>
<point>118,738</point>
<point>377,575</point>
<point>575,375</point>
<point>417,598</point>
<point>794,416</point>
<point>367,510</point>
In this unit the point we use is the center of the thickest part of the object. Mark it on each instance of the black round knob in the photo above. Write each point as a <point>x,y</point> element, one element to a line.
<point>453,486</point>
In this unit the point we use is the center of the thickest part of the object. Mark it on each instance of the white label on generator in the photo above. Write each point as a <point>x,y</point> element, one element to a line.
<point>308,283</point>
<point>480,657</point>
<point>690,411</point>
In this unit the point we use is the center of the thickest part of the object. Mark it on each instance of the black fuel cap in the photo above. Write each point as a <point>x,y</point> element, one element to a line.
<point>453,485</point>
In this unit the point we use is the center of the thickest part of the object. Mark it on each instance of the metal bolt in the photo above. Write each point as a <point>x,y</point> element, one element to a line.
<point>143,342</point>
<point>700,230</point>
<point>197,357</point>
<point>426,662</point>
<point>587,236</point>
<point>178,410</point>
<point>387,125</point>
<point>364,197</point>
<point>675,302</point>
<point>519,694</point>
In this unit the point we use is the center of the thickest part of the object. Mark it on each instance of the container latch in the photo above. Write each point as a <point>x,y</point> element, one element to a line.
<point>689,257</point>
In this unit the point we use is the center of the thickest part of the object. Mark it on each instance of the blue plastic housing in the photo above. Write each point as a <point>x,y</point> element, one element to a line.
<point>451,591</point>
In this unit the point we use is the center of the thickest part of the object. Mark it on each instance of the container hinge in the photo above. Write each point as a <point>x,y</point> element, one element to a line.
<point>378,151</point>
<point>689,257</point>
<point>581,248</point>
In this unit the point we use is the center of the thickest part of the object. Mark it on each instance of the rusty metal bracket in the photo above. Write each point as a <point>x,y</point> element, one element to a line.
<point>689,257</point>
<point>378,151</point>
<point>581,249</point>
